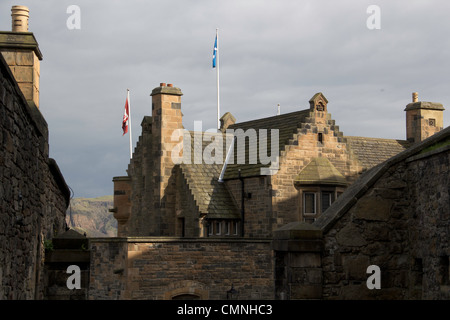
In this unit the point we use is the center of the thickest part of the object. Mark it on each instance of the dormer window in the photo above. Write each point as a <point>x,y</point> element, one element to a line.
<point>319,184</point>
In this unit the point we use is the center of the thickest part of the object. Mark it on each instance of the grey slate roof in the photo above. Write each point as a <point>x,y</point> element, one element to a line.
<point>369,151</point>
<point>210,196</point>
<point>372,151</point>
<point>287,124</point>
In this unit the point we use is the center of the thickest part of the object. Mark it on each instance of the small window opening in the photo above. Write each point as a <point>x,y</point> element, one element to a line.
<point>320,137</point>
<point>218,229</point>
<point>227,227</point>
<point>210,229</point>
<point>235,228</point>
<point>432,122</point>
<point>309,200</point>
<point>326,200</point>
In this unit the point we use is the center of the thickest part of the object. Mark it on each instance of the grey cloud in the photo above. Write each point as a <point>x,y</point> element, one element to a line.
<point>270,52</point>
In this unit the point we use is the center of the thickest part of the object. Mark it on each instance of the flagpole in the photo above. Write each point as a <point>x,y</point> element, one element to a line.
<point>129,122</point>
<point>217,67</point>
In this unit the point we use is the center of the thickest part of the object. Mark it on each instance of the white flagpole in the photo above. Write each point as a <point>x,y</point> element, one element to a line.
<point>217,67</point>
<point>129,122</point>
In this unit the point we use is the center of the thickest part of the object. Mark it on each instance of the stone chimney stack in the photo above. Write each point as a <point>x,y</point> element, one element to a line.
<point>423,119</point>
<point>20,15</point>
<point>21,51</point>
<point>166,118</point>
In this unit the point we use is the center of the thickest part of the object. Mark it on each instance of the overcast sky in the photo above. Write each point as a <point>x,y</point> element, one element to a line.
<point>270,52</point>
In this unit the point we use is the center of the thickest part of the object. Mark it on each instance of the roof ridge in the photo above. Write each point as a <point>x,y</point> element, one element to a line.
<point>373,138</point>
<point>271,117</point>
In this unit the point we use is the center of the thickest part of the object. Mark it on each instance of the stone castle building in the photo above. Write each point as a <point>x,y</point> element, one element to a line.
<point>333,206</point>
<point>316,163</point>
<point>33,193</point>
<point>284,207</point>
<point>235,198</point>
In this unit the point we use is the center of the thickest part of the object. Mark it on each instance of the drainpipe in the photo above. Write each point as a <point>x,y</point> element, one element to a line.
<point>242,203</point>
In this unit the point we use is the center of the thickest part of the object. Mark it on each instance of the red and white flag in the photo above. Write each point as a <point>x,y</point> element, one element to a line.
<point>126,122</point>
<point>126,117</point>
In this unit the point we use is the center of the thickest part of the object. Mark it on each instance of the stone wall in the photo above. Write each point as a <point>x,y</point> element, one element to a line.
<point>164,268</point>
<point>258,218</point>
<point>429,199</point>
<point>396,217</point>
<point>33,194</point>
<point>298,248</point>
<point>401,224</point>
<point>107,269</point>
<point>141,182</point>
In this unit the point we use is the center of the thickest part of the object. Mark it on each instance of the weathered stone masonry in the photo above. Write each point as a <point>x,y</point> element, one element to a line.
<point>400,224</point>
<point>396,216</point>
<point>33,194</point>
<point>164,268</point>
<point>327,259</point>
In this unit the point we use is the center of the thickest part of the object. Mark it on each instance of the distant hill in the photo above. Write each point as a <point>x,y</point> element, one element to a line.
<point>91,215</point>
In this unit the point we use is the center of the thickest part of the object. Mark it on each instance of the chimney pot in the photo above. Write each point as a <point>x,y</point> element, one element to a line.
<point>162,84</point>
<point>20,15</point>
<point>170,85</point>
<point>415,97</point>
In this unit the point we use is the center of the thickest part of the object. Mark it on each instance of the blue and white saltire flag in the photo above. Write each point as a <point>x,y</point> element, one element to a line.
<point>214,53</point>
<point>215,65</point>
